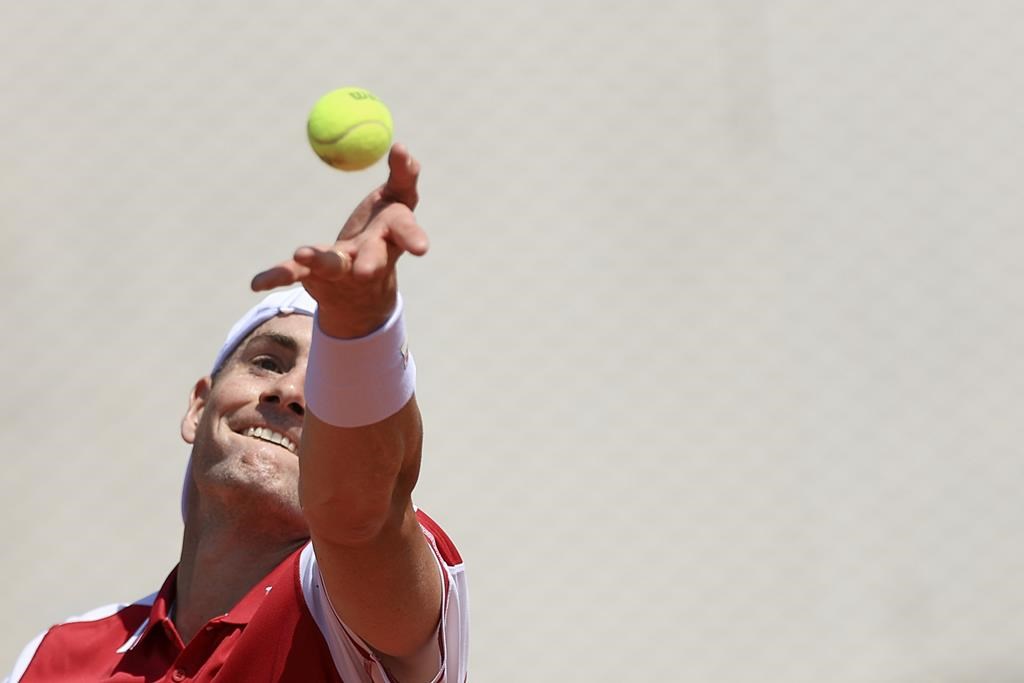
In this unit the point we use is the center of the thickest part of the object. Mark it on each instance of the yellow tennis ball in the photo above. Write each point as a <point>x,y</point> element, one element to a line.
<point>350,129</point>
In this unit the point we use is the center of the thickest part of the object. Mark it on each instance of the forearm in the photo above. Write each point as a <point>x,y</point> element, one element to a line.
<point>360,451</point>
<point>354,481</point>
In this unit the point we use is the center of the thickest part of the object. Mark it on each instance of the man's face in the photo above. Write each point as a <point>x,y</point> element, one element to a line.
<point>245,425</point>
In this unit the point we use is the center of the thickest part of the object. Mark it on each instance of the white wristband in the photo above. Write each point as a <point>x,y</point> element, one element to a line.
<point>357,382</point>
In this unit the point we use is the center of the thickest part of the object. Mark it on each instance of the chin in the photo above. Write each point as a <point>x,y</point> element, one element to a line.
<point>252,488</point>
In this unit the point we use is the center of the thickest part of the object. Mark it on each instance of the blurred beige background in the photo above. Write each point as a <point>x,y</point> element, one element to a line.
<point>719,337</point>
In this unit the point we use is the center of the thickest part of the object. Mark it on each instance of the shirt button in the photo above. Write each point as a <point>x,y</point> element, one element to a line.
<point>178,675</point>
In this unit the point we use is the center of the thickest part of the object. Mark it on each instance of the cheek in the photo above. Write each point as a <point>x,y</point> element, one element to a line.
<point>223,401</point>
<point>230,393</point>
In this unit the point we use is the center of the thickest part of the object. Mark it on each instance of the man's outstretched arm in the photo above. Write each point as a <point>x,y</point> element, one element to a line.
<point>356,479</point>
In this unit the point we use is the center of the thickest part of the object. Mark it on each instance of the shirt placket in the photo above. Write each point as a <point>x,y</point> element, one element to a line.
<point>189,664</point>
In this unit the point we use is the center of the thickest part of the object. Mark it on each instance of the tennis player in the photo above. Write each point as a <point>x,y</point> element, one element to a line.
<point>303,557</point>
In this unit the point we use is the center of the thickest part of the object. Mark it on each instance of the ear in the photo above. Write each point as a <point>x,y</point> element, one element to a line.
<point>196,404</point>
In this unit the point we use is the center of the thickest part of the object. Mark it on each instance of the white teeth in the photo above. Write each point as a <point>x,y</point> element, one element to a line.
<point>266,434</point>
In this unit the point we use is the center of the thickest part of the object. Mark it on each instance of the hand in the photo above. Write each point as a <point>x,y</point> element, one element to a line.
<point>354,279</point>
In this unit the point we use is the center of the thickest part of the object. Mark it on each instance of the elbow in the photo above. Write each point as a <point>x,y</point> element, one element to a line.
<point>347,521</point>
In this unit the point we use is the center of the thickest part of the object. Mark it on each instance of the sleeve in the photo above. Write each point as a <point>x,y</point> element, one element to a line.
<point>353,658</point>
<point>24,659</point>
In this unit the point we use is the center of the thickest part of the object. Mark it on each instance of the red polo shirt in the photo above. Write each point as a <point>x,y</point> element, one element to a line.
<point>283,629</point>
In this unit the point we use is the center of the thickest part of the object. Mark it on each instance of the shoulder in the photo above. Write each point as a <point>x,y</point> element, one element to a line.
<point>353,657</point>
<point>454,625</point>
<point>93,638</point>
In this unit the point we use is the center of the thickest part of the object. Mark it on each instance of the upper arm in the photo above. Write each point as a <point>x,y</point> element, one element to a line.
<point>446,658</point>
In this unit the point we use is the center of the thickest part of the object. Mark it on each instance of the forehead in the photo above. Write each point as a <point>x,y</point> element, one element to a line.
<point>296,327</point>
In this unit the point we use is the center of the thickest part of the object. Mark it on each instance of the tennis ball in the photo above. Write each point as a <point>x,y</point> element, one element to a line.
<point>350,129</point>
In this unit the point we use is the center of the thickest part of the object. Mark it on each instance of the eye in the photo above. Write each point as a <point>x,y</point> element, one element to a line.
<point>267,363</point>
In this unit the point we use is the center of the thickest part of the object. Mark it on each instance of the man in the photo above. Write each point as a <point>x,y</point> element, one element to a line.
<point>303,558</point>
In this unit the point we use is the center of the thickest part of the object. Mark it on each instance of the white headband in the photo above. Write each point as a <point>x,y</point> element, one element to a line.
<point>286,302</point>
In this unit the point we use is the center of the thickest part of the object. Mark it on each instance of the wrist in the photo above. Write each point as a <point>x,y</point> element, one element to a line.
<point>357,313</point>
<point>357,381</point>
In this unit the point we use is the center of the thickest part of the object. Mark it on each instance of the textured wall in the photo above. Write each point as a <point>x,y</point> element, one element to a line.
<point>719,337</point>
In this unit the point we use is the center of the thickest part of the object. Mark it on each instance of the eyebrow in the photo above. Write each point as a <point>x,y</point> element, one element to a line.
<point>284,340</point>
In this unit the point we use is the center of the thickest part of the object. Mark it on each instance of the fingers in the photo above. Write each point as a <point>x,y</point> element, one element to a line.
<point>392,233</point>
<point>281,275</point>
<point>397,225</point>
<point>308,262</point>
<point>405,173</point>
<point>372,260</point>
<point>380,229</point>
<point>400,188</point>
<point>325,263</point>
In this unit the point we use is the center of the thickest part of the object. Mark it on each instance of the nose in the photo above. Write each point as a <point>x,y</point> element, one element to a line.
<point>287,391</point>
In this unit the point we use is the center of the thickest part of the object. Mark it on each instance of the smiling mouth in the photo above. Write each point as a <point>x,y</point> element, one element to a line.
<point>266,434</point>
